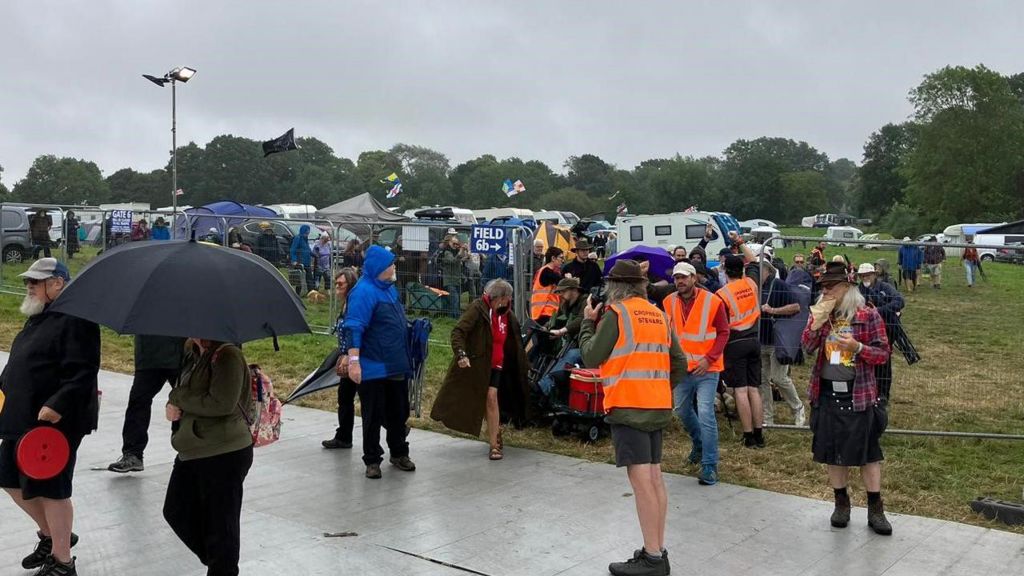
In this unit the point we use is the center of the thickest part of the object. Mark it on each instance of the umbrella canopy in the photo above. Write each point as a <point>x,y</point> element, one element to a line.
<point>322,378</point>
<point>661,261</point>
<point>184,289</point>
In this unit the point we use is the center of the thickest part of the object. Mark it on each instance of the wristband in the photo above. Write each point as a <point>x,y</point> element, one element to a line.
<point>352,359</point>
<point>860,346</point>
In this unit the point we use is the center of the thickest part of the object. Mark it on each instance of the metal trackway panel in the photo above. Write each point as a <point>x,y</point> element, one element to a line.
<point>533,514</point>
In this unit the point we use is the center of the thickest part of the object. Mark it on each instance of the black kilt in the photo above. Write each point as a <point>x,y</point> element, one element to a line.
<point>841,436</point>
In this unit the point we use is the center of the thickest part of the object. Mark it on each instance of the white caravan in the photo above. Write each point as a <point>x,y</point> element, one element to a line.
<point>958,233</point>
<point>293,211</point>
<point>675,229</point>
<point>1003,235</point>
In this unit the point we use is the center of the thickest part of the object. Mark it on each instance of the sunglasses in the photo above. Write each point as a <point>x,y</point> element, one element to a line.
<point>32,281</point>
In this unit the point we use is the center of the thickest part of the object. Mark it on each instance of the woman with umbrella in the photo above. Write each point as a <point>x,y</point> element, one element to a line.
<point>344,280</point>
<point>204,495</point>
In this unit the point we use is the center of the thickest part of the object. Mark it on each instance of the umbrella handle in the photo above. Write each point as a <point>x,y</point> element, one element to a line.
<point>273,334</point>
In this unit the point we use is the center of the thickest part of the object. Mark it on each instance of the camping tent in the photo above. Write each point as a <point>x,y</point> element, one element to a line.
<point>210,216</point>
<point>555,235</point>
<point>364,208</point>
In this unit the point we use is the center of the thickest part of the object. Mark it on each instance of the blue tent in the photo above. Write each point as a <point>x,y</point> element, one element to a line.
<point>216,214</point>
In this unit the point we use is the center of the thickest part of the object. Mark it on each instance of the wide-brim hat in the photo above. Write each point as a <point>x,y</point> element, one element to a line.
<point>626,270</point>
<point>567,284</point>
<point>582,244</point>
<point>835,272</point>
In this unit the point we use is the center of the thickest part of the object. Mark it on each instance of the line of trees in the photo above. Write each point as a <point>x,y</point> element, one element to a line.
<point>960,158</point>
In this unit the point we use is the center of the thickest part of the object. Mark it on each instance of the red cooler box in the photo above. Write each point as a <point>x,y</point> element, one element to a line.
<point>586,393</point>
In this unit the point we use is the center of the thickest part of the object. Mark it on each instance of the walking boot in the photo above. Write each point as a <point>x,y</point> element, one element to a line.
<point>641,564</point>
<point>38,556</point>
<point>877,520</point>
<point>841,513</point>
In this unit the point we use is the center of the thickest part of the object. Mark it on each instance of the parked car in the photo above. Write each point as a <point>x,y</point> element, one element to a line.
<point>250,231</point>
<point>1012,253</point>
<point>16,240</point>
<point>877,236</point>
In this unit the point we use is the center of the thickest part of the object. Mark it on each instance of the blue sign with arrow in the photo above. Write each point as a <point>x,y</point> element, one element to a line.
<point>489,240</point>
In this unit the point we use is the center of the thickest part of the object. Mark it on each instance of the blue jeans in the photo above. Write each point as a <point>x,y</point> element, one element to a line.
<point>454,301</point>
<point>571,357</point>
<point>702,425</point>
<point>971,268</point>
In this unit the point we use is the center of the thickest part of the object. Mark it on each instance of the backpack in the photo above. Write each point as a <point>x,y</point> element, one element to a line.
<point>264,417</point>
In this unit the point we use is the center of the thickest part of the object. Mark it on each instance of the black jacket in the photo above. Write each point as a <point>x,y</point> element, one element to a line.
<point>54,362</point>
<point>158,352</point>
<point>588,273</point>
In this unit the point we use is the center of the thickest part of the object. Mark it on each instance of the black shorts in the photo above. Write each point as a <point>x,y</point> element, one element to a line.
<point>910,275</point>
<point>56,488</point>
<point>742,363</point>
<point>634,446</point>
<point>495,378</point>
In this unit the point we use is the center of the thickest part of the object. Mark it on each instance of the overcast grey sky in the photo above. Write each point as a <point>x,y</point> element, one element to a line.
<point>535,79</point>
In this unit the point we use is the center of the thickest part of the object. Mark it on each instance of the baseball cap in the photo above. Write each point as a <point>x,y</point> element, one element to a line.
<point>866,268</point>
<point>47,268</point>
<point>451,231</point>
<point>684,268</point>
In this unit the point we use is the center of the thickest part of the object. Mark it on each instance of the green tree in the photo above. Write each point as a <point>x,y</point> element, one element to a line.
<point>881,180</point>
<point>751,176</point>
<point>127,185</point>
<point>968,163</point>
<point>805,192</point>
<point>839,177</point>
<point>53,180</point>
<point>374,166</point>
<point>3,189</point>
<point>590,174</point>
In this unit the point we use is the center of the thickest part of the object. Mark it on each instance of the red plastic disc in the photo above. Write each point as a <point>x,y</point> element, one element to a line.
<point>42,453</point>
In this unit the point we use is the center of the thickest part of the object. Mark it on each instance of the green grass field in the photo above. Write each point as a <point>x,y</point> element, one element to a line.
<point>970,379</point>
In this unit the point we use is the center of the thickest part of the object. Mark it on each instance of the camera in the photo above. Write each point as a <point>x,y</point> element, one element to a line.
<point>597,296</point>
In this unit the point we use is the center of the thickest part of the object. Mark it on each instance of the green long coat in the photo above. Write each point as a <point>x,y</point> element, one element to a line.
<point>461,403</point>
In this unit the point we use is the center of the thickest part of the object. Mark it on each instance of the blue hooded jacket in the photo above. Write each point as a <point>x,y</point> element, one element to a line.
<point>375,321</point>
<point>299,251</point>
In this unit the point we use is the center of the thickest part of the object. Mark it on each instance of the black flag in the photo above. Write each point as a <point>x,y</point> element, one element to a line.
<point>283,143</point>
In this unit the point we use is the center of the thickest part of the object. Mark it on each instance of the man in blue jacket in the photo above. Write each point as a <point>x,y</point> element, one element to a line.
<point>378,360</point>
<point>301,255</point>
<point>909,259</point>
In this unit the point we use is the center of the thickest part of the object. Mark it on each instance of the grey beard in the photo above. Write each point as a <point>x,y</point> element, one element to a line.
<point>31,307</point>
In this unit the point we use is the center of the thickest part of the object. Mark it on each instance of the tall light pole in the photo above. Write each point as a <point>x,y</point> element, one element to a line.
<point>179,74</point>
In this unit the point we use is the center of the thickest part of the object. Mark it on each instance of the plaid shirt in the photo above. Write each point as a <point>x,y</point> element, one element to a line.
<point>868,329</point>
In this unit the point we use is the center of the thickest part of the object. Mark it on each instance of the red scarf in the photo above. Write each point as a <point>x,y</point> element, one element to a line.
<point>499,332</point>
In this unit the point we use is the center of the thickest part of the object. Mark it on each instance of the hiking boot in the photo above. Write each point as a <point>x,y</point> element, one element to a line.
<point>800,417</point>
<point>708,475</point>
<point>695,455</point>
<point>664,556</point>
<point>334,444</point>
<point>748,440</point>
<point>54,568</point>
<point>373,471</point>
<point>127,463</point>
<point>841,513</point>
<point>759,439</point>
<point>38,556</point>
<point>641,564</point>
<point>877,520</point>
<point>404,464</point>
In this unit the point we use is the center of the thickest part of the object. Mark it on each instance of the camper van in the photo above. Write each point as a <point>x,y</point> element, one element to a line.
<point>676,229</point>
<point>837,234</point>
<point>552,216</point>
<point>483,216</point>
<point>958,233</point>
<point>1002,235</point>
<point>296,211</point>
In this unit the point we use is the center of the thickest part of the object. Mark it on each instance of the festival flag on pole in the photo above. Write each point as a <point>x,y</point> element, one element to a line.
<point>612,197</point>
<point>282,143</point>
<point>179,192</point>
<point>690,210</point>
<point>508,188</point>
<point>621,209</point>
<point>519,187</point>
<point>395,185</point>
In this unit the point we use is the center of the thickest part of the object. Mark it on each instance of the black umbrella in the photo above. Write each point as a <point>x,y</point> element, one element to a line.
<point>185,288</point>
<point>323,378</point>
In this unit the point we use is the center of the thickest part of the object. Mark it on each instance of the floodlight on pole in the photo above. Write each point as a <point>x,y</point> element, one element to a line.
<point>179,74</point>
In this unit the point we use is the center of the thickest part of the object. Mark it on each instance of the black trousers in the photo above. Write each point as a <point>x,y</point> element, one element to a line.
<point>204,507</point>
<point>145,386</point>
<point>346,411</point>
<point>41,246</point>
<point>883,376</point>
<point>384,403</point>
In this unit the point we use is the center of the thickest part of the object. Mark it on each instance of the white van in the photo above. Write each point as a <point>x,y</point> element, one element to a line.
<point>296,211</point>
<point>552,216</point>
<point>492,213</point>
<point>676,229</point>
<point>958,233</point>
<point>1002,235</point>
<point>837,234</point>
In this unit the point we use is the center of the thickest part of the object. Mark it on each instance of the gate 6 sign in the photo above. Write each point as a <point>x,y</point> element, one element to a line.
<point>489,240</point>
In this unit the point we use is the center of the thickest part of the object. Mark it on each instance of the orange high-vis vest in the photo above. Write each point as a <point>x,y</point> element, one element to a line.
<point>543,300</point>
<point>696,333</point>
<point>743,302</point>
<point>636,373</point>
